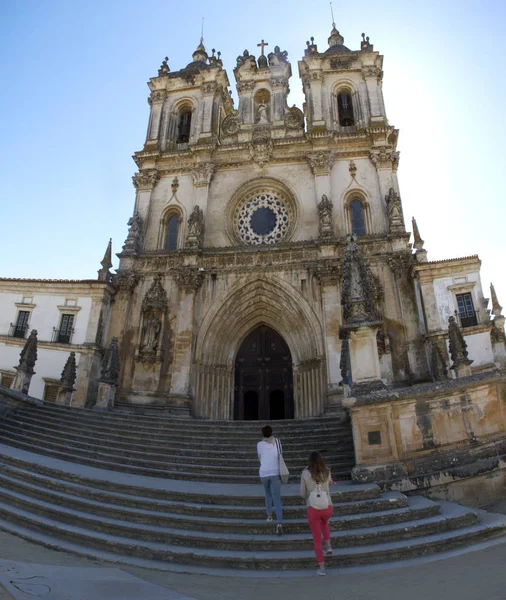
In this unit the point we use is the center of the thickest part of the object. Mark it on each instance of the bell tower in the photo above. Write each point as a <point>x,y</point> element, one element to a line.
<point>342,87</point>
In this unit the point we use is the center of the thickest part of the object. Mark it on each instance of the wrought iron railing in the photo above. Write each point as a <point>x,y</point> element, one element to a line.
<point>18,331</point>
<point>62,336</point>
<point>468,321</point>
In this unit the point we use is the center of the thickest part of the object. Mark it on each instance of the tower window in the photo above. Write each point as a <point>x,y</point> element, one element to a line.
<point>357,217</point>
<point>172,232</point>
<point>467,314</point>
<point>184,125</point>
<point>345,109</point>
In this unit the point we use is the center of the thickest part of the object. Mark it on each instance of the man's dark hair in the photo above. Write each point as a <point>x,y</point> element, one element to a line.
<point>267,431</point>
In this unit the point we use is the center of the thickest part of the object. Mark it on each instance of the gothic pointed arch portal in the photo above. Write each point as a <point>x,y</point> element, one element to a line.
<point>263,377</point>
<point>260,302</point>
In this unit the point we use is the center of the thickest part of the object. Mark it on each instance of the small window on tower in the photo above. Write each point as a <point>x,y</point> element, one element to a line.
<point>172,232</point>
<point>467,314</point>
<point>184,125</point>
<point>345,109</point>
<point>357,217</point>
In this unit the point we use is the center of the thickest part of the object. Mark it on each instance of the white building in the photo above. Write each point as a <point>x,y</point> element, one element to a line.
<point>69,316</point>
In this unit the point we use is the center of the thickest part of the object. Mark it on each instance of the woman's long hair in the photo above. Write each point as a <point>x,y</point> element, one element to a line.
<point>317,467</point>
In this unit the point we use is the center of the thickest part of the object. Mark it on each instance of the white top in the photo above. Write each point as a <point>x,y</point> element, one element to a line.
<point>269,459</point>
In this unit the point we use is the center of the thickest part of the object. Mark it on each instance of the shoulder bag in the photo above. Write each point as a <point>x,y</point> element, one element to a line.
<point>284,473</point>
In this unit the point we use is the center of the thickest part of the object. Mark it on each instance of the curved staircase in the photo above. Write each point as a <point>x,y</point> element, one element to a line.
<point>184,495</point>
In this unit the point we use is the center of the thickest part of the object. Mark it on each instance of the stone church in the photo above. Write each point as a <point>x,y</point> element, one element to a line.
<point>268,265</point>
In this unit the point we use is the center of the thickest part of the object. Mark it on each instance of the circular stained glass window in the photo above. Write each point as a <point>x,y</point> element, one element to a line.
<point>263,219</point>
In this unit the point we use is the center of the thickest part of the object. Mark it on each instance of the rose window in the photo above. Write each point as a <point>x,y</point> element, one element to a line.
<point>263,219</point>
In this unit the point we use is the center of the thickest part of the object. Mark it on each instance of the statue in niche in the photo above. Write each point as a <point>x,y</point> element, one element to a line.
<point>394,208</point>
<point>134,233</point>
<point>195,236</point>
<point>262,114</point>
<point>150,335</point>
<point>325,217</point>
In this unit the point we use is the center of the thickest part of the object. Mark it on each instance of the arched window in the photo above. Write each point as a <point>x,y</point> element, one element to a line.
<point>357,217</point>
<point>184,125</point>
<point>171,232</point>
<point>345,109</point>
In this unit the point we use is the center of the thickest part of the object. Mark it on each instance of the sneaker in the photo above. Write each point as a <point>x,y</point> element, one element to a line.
<point>279,529</point>
<point>269,519</point>
<point>328,548</point>
<point>321,571</point>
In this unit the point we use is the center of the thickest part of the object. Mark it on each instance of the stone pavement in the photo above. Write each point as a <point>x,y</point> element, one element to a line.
<point>476,575</point>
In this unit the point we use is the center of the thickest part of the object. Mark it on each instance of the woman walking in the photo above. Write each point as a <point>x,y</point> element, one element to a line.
<point>314,488</point>
<point>268,451</point>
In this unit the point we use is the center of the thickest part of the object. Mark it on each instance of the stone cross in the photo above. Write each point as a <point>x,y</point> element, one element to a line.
<point>263,44</point>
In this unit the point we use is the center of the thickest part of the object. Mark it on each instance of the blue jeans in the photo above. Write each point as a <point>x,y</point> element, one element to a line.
<point>272,486</point>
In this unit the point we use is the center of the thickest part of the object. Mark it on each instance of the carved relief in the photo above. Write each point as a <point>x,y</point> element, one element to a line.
<point>294,118</point>
<point>158,96</point>
<point>126,281</point>
<point>230,125</point>
<point>394,211</point>
<point>327,272</point>
<point>385,159</point>
<point>189,278</point>
<point>202,174</point>
<point>132,242</point>
<point>146,179</point>
<point>320,162</point>
<point>400,262</point>
<point>325,224</point>
<point>195,235</point>
<point>344,62</point>
<point>261,150</point>
<point>153,308</point>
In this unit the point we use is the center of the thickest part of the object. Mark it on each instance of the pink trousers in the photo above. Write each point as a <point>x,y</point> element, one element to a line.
<point>319,525</point>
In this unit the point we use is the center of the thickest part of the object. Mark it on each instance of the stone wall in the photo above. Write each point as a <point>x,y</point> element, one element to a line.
<point>442,436</point>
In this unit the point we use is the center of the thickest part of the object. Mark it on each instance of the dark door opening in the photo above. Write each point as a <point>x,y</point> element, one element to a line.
<point>263,377</point>
<point>251,406</point>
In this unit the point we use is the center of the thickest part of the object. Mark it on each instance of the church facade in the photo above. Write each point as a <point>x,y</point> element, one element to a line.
<point>230,295</point>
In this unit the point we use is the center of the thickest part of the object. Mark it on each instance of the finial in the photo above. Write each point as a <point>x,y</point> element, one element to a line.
<point>202,31</point>
<point>416,235</point>
<point>332,13</point>
<point>103,273</point>
<point>164,68</point>
<point>213,51</point>
<point>496,307</point>
<point>363,37</point>
<point>263,44</point>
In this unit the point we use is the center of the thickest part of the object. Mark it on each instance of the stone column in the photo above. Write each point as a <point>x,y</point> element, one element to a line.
<point>329,274</point>
<point>202,174</point>
<point>361,319</point>
<point>188,280</point>
<point>144,182</point>
<point>372,77</point>
<point>321,163</point>
<point>316,78</point>
<point>156,101</point>
<point>364,358</point>
<point>208,93</point>
<point>27,360</point>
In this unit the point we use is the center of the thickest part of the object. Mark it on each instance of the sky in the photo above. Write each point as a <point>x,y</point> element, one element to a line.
<point>73,110</point>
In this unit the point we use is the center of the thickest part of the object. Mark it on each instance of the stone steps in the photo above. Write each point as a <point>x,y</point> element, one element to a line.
<point>90,483</point>
<point>244,453</point>
<point>170,448</point>
<point>300,432</point>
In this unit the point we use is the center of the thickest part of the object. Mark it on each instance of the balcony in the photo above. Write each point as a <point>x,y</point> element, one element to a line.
<point>18,331</point>
<point>62,336</point>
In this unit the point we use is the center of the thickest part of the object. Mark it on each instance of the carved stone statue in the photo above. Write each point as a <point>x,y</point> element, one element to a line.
<point>457,344</point>
<point>394,208</point>
<point>150,335</point>
<point>262,114</point>
<point>134,233</point>
<point>325,217</point>
<point>195,236</point>
<point>109,367</point>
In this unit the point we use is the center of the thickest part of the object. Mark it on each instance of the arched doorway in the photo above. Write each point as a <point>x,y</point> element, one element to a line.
<point>263,377</point>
